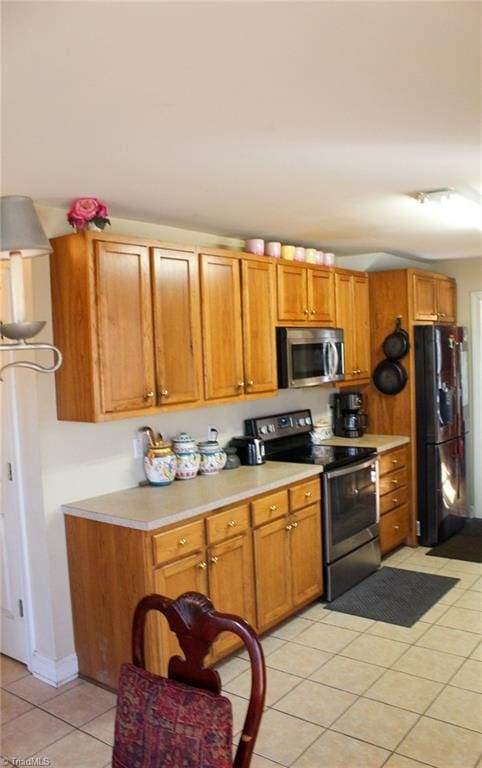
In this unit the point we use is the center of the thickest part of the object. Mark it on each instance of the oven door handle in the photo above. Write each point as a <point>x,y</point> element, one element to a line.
<point>350,468</point>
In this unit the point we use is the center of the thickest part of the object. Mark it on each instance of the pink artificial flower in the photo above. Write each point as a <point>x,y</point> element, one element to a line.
<point>102,212</point>
<point>85,208</point>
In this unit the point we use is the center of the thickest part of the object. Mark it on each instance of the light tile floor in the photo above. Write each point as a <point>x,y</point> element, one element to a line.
<point>343,692</point>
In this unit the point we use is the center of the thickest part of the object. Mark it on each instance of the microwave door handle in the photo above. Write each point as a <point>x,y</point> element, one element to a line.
<point>335,359</point>
<point>326,358</point>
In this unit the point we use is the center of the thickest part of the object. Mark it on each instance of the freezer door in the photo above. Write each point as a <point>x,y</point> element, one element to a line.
<point>441,486</point>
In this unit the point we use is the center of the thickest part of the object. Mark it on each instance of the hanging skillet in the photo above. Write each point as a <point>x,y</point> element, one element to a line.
<point>397,344</point>
<point>390,377</point>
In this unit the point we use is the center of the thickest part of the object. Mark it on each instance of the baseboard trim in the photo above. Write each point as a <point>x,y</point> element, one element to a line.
<point>54,672</point>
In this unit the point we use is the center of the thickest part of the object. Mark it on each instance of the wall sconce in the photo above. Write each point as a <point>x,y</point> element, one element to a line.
<point>21,237</point>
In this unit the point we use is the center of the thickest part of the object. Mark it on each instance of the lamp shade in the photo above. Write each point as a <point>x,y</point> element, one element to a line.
<point>20,228</point>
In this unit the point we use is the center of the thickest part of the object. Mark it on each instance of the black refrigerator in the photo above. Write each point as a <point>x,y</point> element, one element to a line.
<point>442,427</point>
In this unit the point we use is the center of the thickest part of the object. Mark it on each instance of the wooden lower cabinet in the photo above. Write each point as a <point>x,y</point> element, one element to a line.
<point>394,490</point>
<point>111,567</point>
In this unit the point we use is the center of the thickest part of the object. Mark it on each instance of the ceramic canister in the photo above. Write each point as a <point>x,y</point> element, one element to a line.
<point>273,249</point>
<point>329,259</point>
<point>310,255</point>
<point>213,457</point>
<point>299,253</point>
<point>160,464</point>
<point>255,245</point>
<point>187,456</point>
<point>288,252</point>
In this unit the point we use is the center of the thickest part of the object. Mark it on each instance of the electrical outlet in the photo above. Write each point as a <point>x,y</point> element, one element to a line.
<point>137,448</point>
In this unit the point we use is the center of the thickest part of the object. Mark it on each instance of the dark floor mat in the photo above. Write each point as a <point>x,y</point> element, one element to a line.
<point>394,595</point>
<point>465,545</point>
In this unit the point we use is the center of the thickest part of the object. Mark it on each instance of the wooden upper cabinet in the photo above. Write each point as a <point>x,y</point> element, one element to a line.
<point>292,294</point>
<point>124,317</point>
<point>306,294</point>
<point>424,298</point>
<point>447,300</point>
<point>259,340</point>
<point>353,315</point>
<point>221,326</point>
<point>321,295</point>
<point>177,326</point>
<point>434,298</point>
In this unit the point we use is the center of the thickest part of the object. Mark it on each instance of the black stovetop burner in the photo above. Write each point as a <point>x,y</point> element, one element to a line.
<point>287,438</point>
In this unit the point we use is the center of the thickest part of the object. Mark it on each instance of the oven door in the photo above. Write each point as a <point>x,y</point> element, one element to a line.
<point>350,508</point>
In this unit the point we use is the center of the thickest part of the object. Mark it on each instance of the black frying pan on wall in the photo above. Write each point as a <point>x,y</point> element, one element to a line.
<point>390,377</point>
<point>397,344</point>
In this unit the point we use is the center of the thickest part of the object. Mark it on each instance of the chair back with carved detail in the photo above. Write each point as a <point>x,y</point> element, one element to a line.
<point>183,720</point>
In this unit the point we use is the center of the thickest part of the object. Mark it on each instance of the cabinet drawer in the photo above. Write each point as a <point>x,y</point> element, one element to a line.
<point>229,522</point>
<point>393,499</point>
<point>269,507</point>
<point>178,542</point>
<point>393,528</point>
<point>393,460</point>
<point>305,493</point>
<point>393,481</point>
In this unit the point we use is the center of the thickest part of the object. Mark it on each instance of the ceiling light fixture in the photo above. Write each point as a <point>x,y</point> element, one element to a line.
<point>22,237</point>
<point>463,209</point>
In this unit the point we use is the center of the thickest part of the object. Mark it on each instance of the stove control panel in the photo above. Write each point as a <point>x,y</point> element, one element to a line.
<point>279,425</point>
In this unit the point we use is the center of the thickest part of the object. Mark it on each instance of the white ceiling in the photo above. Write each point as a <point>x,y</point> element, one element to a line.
<point>305,122</point>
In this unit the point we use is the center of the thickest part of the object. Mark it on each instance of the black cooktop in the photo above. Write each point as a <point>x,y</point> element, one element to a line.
<point>287,437</point>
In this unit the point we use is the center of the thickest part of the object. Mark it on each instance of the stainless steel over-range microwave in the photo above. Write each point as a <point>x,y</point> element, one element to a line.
<point>309,356</point>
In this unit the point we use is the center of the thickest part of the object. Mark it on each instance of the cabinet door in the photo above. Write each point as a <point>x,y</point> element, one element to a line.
<point>292,292</point>
<point>306,560</point>
<point>258,288</point>
<point>221,322</point>
<point>424,298</point>
<point>344,319</point>
<point>361,326</point>
<point>447,300</point>
<point>231,584</point>
<point>272,572</point>
<point>186,575</point>
<point>321,295</point>
<point>177,326</point>
<point>124,313</point>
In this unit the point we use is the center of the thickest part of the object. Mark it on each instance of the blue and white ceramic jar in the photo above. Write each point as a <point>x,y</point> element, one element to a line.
<point>187,456</point>
<point>213,457</point>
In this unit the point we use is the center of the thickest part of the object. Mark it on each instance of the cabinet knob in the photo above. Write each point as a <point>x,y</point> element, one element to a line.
<point>240,384</point>
<point>307,494</point>
<point>214,559</point>
<point>164,393</point>
<point>396,527</point>
<point>288,527</point>
<point>250,382</point>
<point>395,501</point>
<point>295,525</point>
<point>202,565</point>
<point>306,311</point>
<point>273,508</point>
<point>182,542</point>
<point>148,395</point>
<point>394,461</point>
<point>232,524</point>
<point>313,312</point>
<point>394,482</point>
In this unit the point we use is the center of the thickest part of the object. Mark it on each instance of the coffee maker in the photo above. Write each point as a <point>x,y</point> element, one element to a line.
<point>349,419</point>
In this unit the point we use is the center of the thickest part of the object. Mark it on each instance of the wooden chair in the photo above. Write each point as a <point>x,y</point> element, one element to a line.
<point>183,720</point>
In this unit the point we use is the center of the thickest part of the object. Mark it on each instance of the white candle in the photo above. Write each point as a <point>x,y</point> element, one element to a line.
<point>17,290</point>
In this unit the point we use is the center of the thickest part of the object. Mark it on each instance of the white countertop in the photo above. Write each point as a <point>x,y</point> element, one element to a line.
<point>150,507</point>
<point>380,442</point>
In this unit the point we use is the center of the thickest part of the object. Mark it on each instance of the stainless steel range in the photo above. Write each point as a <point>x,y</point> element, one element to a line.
<point>350,513</point>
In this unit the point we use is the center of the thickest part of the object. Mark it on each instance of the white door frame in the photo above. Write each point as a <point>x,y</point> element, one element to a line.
<point>476,415</point>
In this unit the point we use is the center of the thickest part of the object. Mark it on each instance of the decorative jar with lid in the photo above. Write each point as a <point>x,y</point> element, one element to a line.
<point>213,457</point>
<point>160,464</point>
<point>187,456</point>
